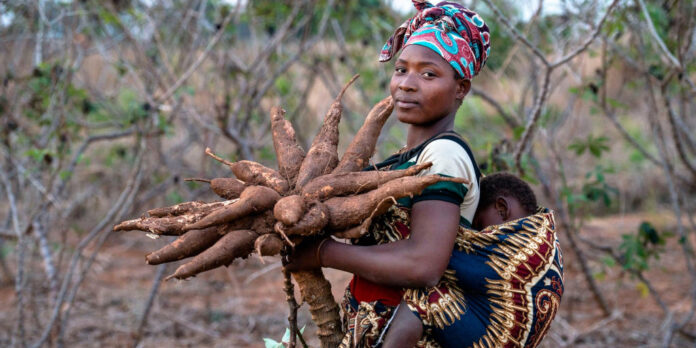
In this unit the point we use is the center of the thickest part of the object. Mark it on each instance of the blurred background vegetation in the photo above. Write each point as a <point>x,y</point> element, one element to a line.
<point>106,106</point>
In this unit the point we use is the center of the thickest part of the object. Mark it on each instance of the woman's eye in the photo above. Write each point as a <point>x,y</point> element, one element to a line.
<point>400,70</point>
<point>429,74</point>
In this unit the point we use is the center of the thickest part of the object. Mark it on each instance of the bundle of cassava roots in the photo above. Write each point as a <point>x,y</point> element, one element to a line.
<point>311,194</point>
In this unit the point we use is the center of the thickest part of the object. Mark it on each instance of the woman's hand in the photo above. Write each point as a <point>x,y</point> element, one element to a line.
<point>305,256</point>
<point>415,262</point>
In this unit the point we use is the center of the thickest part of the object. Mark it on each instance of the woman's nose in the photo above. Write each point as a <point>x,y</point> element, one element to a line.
<point>408,83</point>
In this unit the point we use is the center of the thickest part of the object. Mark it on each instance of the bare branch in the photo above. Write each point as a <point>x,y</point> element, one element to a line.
<point>531,125</point>
<point>511,121</point>
<point>651,27</point>
<point>519,36</point>
<point>18,336</point>
<point>589,40</point>
<point>116,209</point>
<point>185,76</point>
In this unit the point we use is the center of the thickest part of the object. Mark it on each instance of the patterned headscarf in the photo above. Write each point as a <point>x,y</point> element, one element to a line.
<point>454,32</point>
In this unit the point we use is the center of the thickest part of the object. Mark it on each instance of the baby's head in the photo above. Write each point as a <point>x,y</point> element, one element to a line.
<point>504,197</point>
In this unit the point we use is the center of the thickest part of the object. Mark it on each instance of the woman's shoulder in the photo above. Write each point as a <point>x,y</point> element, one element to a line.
<point>446,150</point>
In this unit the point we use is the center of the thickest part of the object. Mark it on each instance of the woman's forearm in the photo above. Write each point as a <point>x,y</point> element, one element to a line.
<point>414,262</point>
<point>388,264</point>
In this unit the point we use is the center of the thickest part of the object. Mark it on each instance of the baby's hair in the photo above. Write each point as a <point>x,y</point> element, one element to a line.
<point>506,184</point>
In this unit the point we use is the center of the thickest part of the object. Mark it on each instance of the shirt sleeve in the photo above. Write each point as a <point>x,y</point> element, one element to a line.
<point>451,160</point>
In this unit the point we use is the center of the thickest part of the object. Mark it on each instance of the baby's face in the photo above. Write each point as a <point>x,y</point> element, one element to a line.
<point>487,216</point>
<point>497,213</point>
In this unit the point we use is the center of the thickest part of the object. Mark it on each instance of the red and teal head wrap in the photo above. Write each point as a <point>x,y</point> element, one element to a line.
<point>454,32</point>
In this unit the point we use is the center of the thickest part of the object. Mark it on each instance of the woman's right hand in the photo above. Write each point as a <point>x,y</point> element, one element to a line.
<point>306,255</point>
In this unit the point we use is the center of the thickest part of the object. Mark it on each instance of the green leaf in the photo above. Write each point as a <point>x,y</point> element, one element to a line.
<point>608,261</point>
<point>283,85</point>
<point>175,197</point>
<point>616,104</point>
<point>648,233</point>
<point>600,275</point>
<point>65,174</point>
<point>269,343</point>
<point>578,147</point>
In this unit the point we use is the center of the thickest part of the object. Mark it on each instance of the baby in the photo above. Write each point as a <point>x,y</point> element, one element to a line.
<point>504,197</point>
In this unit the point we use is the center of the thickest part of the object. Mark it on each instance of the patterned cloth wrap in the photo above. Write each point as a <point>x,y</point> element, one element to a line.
<point>502,287</point>
<point>456,33</point>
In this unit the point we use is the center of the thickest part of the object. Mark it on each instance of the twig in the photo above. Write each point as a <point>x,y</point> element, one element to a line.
<point>18,336</point>
<point>589,40</point>
<point>185,76</point>
<point>541,98</point>
<point>121,212</point>
<point>519,36</point>
<point>261,272</point>
<point>531,125</point>
<point>571,232</point>
<point>511,121</point>
<point>675,133</point>
<point>81,150</point>
<point>651,27</point>
<point>279,35</point>
<point>513,51</point>
<point>210,153</point>
<point>186,323</point>
<point>148,305</point>
<point>130,187</point>
<point>46,254</point>
<point>612,118</point>
<point>597,325</point>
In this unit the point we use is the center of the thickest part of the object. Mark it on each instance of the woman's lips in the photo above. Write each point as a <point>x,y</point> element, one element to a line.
<point>406,104</point>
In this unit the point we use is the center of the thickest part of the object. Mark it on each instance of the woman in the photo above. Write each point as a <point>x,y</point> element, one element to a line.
<point>413,245</point>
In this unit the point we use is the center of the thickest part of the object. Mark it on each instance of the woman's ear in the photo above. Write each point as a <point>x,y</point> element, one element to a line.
<point>463,87</point>
<point>502,207</point>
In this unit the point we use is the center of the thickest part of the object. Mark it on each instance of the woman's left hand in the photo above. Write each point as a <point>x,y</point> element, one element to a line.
<point>305,256</point>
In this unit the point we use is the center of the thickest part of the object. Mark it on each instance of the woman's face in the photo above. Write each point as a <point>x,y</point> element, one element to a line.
<point>424,87</point>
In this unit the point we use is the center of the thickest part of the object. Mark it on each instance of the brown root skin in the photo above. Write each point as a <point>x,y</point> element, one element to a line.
<point>190,244</point>
<point>268,245</point>
<point>177,209</point>
<point>362,147</point>
<point>312,223</point>
<point>253,200</point>
<point>231,246</point>
<point>343,184</point>
<point>322,156</point>
<point>345,212</point>
<point>177,225</point>
<point>254,173</point>
<point>316,291</point>
<point>227,188</point>
<point>290,209</point>
<point>289,153</point>
<point>167,226</point>
<point>262,223</point>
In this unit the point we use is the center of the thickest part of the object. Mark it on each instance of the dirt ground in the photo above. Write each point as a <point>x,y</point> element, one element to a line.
<point>240,305</point>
